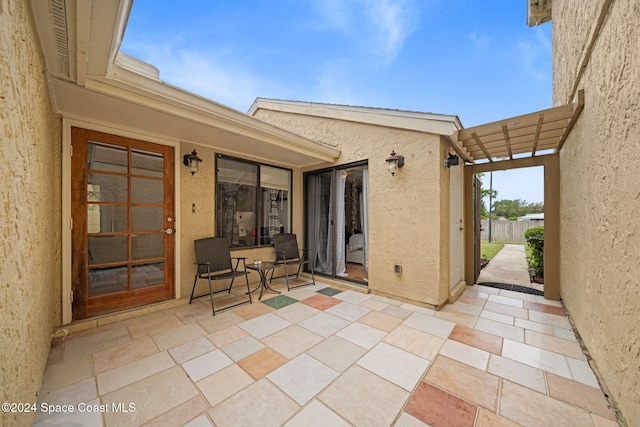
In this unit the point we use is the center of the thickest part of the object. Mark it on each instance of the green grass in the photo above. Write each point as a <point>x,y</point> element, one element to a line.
<point>489,250</point>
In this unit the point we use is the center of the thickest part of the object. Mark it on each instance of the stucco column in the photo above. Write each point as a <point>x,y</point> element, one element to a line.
<point>552,227</point>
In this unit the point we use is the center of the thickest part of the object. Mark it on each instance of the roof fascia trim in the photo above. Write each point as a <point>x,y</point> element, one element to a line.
<point>408,120</point>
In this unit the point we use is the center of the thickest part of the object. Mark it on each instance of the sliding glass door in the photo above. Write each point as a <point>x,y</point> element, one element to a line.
<point>336,221</point>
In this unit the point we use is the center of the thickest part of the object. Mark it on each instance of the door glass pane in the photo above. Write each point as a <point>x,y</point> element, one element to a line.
<point>145,246</point>
<point>107,249</point>
<point>336,227</point>
<point>356,223</point>
<point>107,280</point>
<point>145,190</point>
<point>107,188</point>
<point>275,185</point>
<point>147,218</point>
<point>236,202</point>
<point>106,219</point>
<point>143,275</point>
<point>105,157</point>
<point>145,163</point>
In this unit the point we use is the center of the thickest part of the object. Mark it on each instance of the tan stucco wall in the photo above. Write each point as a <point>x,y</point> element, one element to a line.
<point>30,206</point>
<point>200,189</point>
<point>404,210</point>
<point>600,189</point>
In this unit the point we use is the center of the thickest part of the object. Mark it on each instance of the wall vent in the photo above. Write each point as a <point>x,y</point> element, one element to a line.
<point>58,13</point>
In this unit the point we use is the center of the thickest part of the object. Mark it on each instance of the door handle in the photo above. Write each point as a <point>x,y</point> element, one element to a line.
<point>167,231</point>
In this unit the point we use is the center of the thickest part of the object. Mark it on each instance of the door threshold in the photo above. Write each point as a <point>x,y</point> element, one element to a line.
<point>116,316</point>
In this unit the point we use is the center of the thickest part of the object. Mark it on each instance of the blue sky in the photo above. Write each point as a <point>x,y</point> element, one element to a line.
<point>477,60</point>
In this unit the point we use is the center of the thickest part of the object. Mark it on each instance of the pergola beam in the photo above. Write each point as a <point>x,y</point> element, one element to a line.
<point>533,133</point>
<point>476,138</point>
<point>459,148</point>
<point>574,118</point>
<point>505,132</point>
<point>536,138</point>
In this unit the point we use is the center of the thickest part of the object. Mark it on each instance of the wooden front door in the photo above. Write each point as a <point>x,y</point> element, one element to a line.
<point>122,222</point>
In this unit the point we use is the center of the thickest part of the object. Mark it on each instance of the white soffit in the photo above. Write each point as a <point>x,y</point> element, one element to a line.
<point>531,134</point>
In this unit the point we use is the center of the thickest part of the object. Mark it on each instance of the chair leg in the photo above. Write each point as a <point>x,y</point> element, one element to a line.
<point>213,310</point>
<point>286,275</point>
<point>246,278</point>
<point>313,277</point>
<point>233,278</point>
<point>194,288</point>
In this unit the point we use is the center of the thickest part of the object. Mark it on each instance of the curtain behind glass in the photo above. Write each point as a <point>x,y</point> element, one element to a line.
<point>318,217</point>
<point>274,214</point>
<point>364,214</point>
<point>340,222</point>
<point>230,222</point>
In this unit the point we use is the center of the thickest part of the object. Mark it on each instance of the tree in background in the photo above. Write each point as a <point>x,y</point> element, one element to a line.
<point>484,194</point>
<point>513,209</point>
<point>484,212</point>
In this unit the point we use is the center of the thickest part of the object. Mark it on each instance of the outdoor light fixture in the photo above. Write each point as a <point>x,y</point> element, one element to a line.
<point>395,162</point>
<point>452,160</point>
<point>192,161</point>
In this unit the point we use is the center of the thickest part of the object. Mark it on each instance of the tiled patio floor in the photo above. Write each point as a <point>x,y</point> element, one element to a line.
<point>329,357</point>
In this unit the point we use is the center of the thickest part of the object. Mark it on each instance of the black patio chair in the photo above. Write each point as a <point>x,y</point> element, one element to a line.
<point>287,254</point>
<point>214,262</point>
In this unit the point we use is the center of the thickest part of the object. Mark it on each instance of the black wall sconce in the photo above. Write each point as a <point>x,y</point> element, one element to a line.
<point>394,162</point>
<point>192,161</point>
<point>452,160</point>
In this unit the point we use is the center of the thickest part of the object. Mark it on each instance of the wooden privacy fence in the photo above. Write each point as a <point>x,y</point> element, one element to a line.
<point>508,231</point>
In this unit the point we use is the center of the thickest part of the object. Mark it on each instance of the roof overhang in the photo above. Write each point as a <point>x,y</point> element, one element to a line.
<point>441,124</point>
<point>438,124</point>
<point>530,135</point>
<point>90,80</point>
<point>538,12</point>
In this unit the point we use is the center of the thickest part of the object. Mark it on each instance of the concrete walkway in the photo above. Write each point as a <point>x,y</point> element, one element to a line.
<point>508,266</point>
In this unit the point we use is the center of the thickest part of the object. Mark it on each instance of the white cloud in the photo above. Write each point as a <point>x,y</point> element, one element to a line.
<point>480,41</point>
<point>393,21</point>
<point>534,56</point>
<point>379,27</point>
<point>211,74</point>
<point>335,14</point>
<point>373,32</point>
<point>333,84</point>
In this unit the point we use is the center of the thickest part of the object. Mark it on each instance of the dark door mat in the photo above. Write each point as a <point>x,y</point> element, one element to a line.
<point>514,288</point>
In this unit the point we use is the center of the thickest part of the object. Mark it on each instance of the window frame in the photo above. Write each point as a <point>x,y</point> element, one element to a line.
<point>259,210</point>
